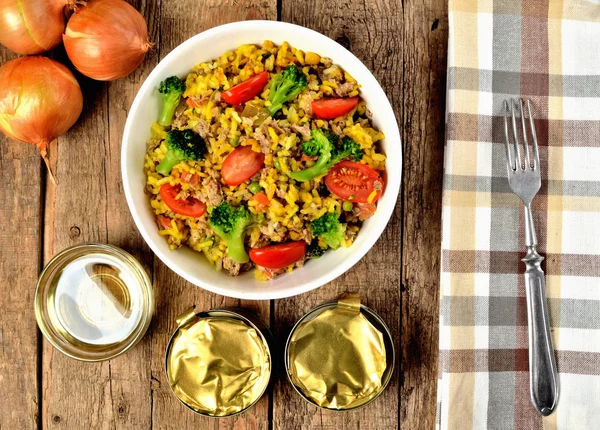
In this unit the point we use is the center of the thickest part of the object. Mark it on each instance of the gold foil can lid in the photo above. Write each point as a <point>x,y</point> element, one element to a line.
<point>218,363</point>
<point>340,355</point>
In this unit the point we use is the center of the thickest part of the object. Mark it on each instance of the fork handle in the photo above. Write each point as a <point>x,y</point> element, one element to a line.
<point>543,376</point>
<point>530,237</point>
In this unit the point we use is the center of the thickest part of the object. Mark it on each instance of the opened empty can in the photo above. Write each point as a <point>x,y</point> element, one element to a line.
<point>93,302</point>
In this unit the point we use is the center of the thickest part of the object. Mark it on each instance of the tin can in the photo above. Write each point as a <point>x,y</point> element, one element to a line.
<point>318,359</point>
<point>93,302</point>
<point>219,362</point>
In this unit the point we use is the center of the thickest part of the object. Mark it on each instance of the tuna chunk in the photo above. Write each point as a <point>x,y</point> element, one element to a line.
<point>180,122</point>
<point>265,144</point>
<point>202,128</point>
<point>278,128</point>
<point>231,267</point>
<point>344,89</point>
<point>307,235</point>
<point>304,130</point>
<point>336,128</point>
<point>214,195</point>
<point>307,102</point>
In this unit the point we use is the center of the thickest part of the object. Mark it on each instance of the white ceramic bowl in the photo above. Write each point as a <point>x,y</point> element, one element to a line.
<point>145,109</point>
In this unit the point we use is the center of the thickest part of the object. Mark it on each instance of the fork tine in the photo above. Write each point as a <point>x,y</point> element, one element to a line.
<point>536,153</point>
<point>509,161</point>
<point>527,163</point>
<point>516,137</point>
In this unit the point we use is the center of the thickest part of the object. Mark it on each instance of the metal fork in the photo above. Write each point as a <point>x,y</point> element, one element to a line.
<point>525,181</point>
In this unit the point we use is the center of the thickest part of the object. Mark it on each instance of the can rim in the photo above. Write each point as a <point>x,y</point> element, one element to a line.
<point>254,322</point>
<point>140,329</point>
<point>388,341</point>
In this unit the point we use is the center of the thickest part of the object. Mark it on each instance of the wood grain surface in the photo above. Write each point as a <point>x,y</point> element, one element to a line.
<point>404,45</point>
<point>20,263</point>
<point>424,100</point>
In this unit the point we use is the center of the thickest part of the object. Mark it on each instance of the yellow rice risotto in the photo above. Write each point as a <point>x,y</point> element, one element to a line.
<point>263,158</point>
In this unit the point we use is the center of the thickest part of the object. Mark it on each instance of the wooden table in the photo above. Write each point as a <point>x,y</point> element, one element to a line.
<point>404,44</point>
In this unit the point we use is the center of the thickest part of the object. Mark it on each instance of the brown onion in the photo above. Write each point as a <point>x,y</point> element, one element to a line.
<point>107,39</point>
<point>40,99</point>
<point>31,26</point>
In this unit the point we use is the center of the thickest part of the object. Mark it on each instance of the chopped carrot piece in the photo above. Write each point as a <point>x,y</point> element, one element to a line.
<point>163,221</point>
<point>189,178</point>
<point>366,210</point>
<point>259,201</point>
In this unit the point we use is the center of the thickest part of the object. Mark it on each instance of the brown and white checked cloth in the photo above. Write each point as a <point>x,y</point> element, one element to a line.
<point>548,51</point>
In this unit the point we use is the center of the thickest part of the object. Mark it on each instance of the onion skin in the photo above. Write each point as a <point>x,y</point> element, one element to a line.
<point>40,99</point>
<point>31,26</point>
<point>106,39</point>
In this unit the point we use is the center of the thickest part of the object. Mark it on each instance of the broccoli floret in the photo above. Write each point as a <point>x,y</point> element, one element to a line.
<point>230,224</point>
<point>348,149</point>
<point>330,229</point>
<point>171,89</point>
<point>181,145</point>
<point>285,86</point>
<point>330,153</point>
<point>313,250</point>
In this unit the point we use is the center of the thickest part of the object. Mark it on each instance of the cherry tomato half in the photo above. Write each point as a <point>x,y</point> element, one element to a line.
<point>189,207</point>
<point>280,255</point>
<point>333,108</point>
<point>354,182</point>
<point>245,91</point>
<point>241,164</point>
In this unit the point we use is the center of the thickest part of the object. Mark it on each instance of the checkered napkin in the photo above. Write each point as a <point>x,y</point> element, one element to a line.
<point>549,52</point>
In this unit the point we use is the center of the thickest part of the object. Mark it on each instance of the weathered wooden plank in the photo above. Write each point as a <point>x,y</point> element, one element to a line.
<point>88,205</point>
<point>130,374</point>
<point>179,21</point>
<point>76,393</point>
<point>370,29</point>
<point>20,261</point>
<point>425,35</point>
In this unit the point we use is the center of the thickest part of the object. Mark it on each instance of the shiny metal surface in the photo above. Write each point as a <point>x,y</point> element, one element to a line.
<point>525,181</point>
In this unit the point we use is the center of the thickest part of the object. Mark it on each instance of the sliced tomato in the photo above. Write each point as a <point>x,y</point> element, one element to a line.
<point>189,178</point>
<point>333,108</point>
<point>280,255</point>
<point>163,221</point>
<point>247,90</point>
<point>189,207</point>
<point>241,164</point>
<point>261,199</point>
<point>366,210</point>
<point>354,182</point>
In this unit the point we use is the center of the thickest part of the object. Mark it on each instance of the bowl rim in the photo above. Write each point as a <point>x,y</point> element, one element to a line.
<point>336,271</point>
